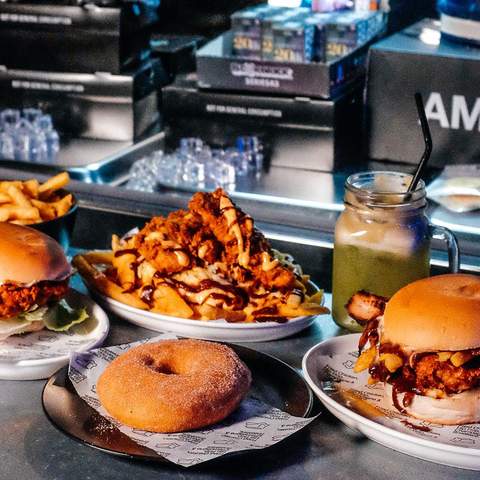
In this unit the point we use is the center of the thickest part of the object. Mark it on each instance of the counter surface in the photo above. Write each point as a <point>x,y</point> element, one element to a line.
<point>32,448</point>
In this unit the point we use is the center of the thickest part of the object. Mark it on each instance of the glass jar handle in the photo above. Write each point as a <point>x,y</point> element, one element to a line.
<point>442,233</point>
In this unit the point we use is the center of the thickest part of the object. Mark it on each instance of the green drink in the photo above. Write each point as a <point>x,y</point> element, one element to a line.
<point>383,273</point>
<point>382,239</point>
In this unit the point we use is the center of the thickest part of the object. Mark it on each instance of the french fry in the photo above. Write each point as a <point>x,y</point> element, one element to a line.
<point>168,301</point>
<point>365,359</point>
<point>53,184</point>
<point>459,358</point>
<point>100,282</point>
<point>302,310</point>
<point>317,297</point>
<point>115,242</point>
<point>18,197</point>
<point>47,210</point>
<point>23,222</point>
<point>14,212</point>
<point>31,187</point>
<point>63,205</point>
<point>5,198</point>
<point>444,356</point>
<point>20,202</point>
<point>206,312</point>
<point>5,185</point>
<point>125,272</point>
<point>391,361</point>
<point>97,257</point>
<point>4,214</point>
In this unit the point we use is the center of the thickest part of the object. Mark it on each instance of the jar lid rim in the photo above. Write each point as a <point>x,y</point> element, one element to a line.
<point>417,194</point>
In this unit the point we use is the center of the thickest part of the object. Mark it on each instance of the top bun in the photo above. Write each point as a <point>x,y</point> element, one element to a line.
<point>435,313</point>
<point>28,256</point>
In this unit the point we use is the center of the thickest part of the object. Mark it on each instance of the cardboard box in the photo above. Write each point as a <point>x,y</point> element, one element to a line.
<point>83,39</point>
<point>218,69</point>
<point>297,132</point>
<point>446,74</point>
<point>101,106</point>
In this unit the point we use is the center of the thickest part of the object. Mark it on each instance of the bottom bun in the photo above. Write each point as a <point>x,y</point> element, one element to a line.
<point>34,326</point>
<point>455,409</point>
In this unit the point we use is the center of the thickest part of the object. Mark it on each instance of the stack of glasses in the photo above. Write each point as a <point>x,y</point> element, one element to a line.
<point>195,165</point>
<point>28,135</point>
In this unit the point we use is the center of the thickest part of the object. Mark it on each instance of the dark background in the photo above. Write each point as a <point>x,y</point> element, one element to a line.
<point>209,17</point>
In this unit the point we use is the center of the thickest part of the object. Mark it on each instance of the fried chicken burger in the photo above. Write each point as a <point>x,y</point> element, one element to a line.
<point>34,275</point>
<point>425,347</point>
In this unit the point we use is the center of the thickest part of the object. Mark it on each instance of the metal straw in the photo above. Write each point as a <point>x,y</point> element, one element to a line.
<point>427,138</point>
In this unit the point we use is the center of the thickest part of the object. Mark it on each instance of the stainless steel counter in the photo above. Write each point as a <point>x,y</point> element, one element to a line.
<point>93,161</point>
<point>33,449</point>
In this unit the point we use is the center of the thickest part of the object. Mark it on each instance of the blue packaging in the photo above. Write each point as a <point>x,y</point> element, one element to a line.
<point>267,29</point>
<point>319,21</point>
<point>293,42</point>
<point>345,33</point>
<point>247,30</point>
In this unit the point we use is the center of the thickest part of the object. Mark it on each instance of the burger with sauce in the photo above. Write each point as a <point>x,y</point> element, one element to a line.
<point>34,275</point>
<point>424,344</point>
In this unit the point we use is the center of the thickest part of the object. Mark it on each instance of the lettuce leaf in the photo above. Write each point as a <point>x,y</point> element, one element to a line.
<point>34,315</point>
<point>58,318</point>
<point>62,316</point>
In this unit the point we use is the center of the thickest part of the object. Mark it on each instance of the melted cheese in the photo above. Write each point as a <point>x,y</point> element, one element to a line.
<point>202,251</point>
<point>268,263</point>
<point>154,236</point>
<point>182,258</point>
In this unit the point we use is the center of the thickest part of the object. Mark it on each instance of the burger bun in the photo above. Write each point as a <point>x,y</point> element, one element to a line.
<point>439,313</point>
<point>28,256</point>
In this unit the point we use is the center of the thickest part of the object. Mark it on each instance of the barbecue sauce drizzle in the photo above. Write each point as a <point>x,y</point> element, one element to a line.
<point>239,298</point>
<point>403,380</point>
<point>147,294</point>
<point>126,251</point>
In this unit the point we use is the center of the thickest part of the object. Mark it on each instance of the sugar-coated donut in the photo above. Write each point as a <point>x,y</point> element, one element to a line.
<point>174,385</point>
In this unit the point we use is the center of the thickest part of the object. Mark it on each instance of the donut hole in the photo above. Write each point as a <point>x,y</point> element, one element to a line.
<point>164,368</point>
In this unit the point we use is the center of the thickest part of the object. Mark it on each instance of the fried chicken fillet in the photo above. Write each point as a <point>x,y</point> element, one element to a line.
<point>16,299</point>
<point>212,230</point>
<point>242,244</point>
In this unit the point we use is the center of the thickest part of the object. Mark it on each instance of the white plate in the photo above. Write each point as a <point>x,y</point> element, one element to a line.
<point>206,330</point>
<point>362,408</point>
<point>38,355</point>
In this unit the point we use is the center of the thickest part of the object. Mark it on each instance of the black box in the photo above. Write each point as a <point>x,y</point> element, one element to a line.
<point>447,75</point>
<point>218,69</point>
<point>69,38</point>
<point>101,106</point>
<point>297,132</point>
<point>177,52</point>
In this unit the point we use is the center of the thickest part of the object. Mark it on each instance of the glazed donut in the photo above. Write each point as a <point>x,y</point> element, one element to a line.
<point>174,385</point>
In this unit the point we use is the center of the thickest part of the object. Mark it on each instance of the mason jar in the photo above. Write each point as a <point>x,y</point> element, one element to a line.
<point>382,239</point>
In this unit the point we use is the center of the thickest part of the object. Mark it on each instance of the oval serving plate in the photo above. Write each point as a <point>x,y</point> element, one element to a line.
<point>219,330</point>
<point>327,368</point>
<point>274,382</point>
<point>38,355</point>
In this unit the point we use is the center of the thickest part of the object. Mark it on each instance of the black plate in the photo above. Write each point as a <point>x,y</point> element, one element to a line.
<point>274,382</point>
